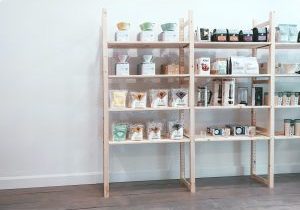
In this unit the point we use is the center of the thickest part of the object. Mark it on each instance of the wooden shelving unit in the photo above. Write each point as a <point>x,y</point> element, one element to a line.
<point>269,131</point>
<point>184,26</point>
<point>266,134</point>
<point>290,47</point>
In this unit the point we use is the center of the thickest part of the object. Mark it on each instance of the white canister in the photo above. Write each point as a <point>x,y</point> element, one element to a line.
<point>297,127</point>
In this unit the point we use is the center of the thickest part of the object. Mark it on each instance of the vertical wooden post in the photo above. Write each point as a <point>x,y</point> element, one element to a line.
<point>181,113</point>
<point>191,101</point>
<point>271,65</point>
<point>105,105</point>
<point>253,122</point>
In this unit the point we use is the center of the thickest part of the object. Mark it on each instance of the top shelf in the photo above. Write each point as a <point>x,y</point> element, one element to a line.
<point>231,45</point>
<point>200,45</point>
<point>288,46</point>
<point>139,44</point>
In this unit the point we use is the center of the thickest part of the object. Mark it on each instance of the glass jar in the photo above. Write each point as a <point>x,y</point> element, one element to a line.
<point>297,127</point>
<point>243,95</point>
<point>287,127</point>
<point>286,99</point>
<point>278,99</point>
<point>266,98</point>
<point>294,98</point>
<point>292,130</point>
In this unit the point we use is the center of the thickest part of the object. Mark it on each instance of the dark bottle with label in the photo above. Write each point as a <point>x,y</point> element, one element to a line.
<point>258,96</point>
<point>260,34</point>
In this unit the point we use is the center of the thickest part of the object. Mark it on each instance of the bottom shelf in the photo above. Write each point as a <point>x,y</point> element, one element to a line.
<point>231,138</point>
<point>161,141</point>
<point>282,137</point>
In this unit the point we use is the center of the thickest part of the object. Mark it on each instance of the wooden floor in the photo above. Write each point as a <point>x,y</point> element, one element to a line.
<point>232,193</point>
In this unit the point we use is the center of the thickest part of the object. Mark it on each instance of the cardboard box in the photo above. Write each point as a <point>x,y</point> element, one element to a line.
<point>170,69</point>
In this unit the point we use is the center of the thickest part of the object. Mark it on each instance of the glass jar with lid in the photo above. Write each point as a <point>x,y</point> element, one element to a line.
<point>287,127</point>
<point>294,98</point>
<point>286,99</point>
<point>297,127</point>
<point>278,98</point>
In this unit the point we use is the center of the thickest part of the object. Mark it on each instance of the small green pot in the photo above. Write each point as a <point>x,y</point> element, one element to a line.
<point>169,26</point>
<point>147,26</point>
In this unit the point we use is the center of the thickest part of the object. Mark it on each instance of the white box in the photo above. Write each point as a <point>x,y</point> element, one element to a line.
<point>237,65</point>
<point>228,87</point>
<point>251,65</point>
<point>203,66</point>
<point>122,69</point>
<point>147,69</point>
<point>147,36</point>
<point>122,36</point>
<point>243,65</point>
<point>168,36</point>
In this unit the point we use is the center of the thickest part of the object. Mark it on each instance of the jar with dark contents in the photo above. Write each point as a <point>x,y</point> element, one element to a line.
<point>260,34</point>
<point>233,35</point>
<point>219,35</point>
<point>246,36</point>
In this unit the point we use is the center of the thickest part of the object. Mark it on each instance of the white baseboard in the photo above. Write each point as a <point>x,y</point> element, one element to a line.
<point>15,182</point>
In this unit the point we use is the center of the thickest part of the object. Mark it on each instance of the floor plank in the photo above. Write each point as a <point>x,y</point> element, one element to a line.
<point>232,193</point>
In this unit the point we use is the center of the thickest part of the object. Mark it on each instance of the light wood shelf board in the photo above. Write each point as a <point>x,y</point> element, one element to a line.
<point>287,46</point>
<point>140,44</point>
<point>147,109</point>
<point>231,107</point>
<point>148,76</point>
<point>282,137</point>
<point>161,141</point>
<point>232,76</point>
<point>231,138</point>
<point>232,45</point>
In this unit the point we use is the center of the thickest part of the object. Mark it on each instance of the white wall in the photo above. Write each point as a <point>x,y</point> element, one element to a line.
<point>50,107</point>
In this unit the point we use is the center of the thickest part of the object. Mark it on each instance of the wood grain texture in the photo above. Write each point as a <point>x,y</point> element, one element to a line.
<point>232,193</point>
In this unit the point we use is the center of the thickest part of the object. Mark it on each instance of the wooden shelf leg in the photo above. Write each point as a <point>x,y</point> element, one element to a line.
<point>182,160</point>
<point>105,106</point>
